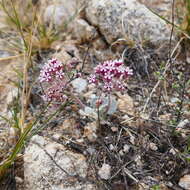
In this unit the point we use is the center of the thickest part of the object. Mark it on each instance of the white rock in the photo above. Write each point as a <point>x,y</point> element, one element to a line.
<point>126,148</point>
<point>175,100</point>
<point>39,139</point>
<point>183,123</point>
<point>121,152</point>
<point>116,19</point>
<point>42,173</point>
<point>153,146</point>
<point>173,151</point>
<point>105,171</point>
<point>111,147</point>
<point>184,182</point>
<point>79,84</point>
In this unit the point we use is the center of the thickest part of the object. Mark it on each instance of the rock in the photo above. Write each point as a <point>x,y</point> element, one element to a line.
<point>126,148</point>
<point>90,131</point>
<point>70,5</point>
<point>19,180</point>
<point>184,182</point>
<point>175,100</point>
<point>56,136</point>
<point>174,151</point>
<point>56,14</point>
<point>114,129</point>
<point>121,152</point>
<point>83,32</point>
<point>41,172</point>
<point>117,19</point>
<point>69,127</point>
<point>183,123</point>
<point>61,13</point>
<point>112,148</point>
<point>91,150</point>
<point>79,84</point>
<point>126,104</point>
<point>105,171</point>
<point>153,146</point>
<point>138,161</point>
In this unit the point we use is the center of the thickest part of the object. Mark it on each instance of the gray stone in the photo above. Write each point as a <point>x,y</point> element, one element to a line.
<point>61,12</point>
<point>121,18</point>
<point>41,172</point>
<point>183,123</point>
<point>57,14</point>
<point>79,84</point>
<point>105,171</point>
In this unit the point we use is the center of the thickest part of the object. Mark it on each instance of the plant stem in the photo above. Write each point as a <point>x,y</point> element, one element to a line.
<point>109,103</point>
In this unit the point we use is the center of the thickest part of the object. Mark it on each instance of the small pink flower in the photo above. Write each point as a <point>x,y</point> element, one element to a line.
<point>110,75</point>
<point>108,86</point>
<point>92,79</point>
<point>53,75</point>
<point>52,69</point>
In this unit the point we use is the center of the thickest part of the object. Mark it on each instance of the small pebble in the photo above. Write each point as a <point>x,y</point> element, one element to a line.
<point>105,171</point>
<point>126,148</point>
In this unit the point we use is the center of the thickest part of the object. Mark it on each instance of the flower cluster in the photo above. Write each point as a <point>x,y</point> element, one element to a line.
<point>53,69</point>
<point>52,74</point>
<point>110,75</point>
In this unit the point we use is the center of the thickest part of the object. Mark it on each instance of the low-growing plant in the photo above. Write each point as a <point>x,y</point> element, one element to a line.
<point>55,78</point>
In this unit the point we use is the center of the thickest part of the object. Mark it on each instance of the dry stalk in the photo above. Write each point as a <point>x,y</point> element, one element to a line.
<point>168,64</point>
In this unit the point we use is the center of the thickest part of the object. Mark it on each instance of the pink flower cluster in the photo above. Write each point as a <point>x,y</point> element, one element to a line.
<point>110,75</point>
<point>53,69</point>
<point>52,74</point>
